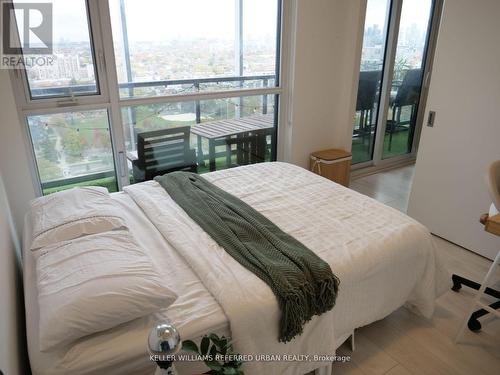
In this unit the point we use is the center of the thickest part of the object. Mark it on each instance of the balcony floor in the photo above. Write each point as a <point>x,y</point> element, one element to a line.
<point>360,150</point>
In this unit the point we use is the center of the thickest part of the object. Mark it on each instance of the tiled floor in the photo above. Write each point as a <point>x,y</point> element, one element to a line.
<point>391,187</point>
<point>404,343</point>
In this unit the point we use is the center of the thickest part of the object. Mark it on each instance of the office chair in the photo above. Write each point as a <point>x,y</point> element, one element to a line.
<point>472,322</point>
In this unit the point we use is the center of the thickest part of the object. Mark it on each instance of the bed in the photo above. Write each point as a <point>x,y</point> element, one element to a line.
<point>383,258</point>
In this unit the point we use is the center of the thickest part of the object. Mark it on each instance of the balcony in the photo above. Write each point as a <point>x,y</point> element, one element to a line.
<point>401,114</point>
<point>91,163</point>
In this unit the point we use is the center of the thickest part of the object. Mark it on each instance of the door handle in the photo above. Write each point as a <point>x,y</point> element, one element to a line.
<point>431,118</point>
<point>122,164</point>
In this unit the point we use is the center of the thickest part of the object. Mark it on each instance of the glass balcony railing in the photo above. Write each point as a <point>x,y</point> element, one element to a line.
<point>166,87</point>
<point>74,148</point>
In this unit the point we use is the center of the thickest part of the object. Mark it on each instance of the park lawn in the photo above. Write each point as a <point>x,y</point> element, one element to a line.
<point>107,182</point>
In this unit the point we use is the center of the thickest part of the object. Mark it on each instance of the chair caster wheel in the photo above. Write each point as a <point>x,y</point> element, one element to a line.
<point>474,325</point>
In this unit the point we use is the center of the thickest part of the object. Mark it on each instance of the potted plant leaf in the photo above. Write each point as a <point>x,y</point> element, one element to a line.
<point>219,355</point>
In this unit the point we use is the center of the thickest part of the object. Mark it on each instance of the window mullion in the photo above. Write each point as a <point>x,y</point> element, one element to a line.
<point>118,138</point>
<point>22,89</point>
<point>98,49</point>
<point>238,46</point>
<point>385,93</point>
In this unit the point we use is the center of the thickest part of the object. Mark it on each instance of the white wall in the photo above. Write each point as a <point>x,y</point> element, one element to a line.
<point>13,153</point>
<point>12,343</point>
<point>449,191</point>
<point>15,183</point>
<point>324,79</point>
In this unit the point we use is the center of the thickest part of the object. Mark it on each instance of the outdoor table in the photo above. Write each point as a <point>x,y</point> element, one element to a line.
<point>223,129</point>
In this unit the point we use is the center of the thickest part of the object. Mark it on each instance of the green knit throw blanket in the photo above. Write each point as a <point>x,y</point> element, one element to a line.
<point>303,283</point>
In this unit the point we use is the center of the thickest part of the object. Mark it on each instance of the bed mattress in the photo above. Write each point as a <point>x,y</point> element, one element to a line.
<point>383,258</point>
<point>122,350</point>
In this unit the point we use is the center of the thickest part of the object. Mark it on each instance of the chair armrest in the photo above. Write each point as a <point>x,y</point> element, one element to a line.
<point>132,156</point>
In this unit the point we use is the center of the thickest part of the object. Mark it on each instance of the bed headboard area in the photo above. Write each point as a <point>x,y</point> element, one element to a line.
<point>13,357</point>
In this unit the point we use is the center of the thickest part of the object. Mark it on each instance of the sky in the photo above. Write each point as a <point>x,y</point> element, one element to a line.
<point>69,19</point>
<point>157,20</point>
<point>173,19</point>
<point>413,11</point>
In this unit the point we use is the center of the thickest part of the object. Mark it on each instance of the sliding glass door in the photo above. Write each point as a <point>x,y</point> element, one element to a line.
<point>393,66</point>
<point>370,78</point>
<point>406,80</point>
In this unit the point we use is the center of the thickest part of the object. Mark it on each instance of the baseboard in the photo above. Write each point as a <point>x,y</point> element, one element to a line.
<point>362,172</point>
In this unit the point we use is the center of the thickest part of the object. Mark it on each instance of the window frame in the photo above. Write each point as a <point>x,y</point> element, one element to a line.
<point>51,111</point>
<point>99,19</point>
<point>23,89</point>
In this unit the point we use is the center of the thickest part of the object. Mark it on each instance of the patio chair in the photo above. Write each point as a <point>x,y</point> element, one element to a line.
<point>163,151</point>
<point>367,92</point>
<point>250,147</point>
<point>408,94</point>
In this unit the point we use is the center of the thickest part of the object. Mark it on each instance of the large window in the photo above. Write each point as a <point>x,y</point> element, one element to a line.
<point>393,66</point>
<point>70,147</point>
<point>70,69</point>
<point>139,88</point>
<point>193,45</point>
<point>214,140</point>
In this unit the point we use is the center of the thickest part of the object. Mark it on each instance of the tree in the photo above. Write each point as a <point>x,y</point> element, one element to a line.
<point>401,65</point>
<point>48,148</point>
<point>48,170</point>
<point>73,143</point>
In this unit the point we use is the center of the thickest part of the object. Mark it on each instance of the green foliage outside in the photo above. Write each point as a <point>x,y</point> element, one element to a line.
<point>149,117</point>
<point>107,182</point>
<point>49,170</point>
<point>74,145</point>
<point>84,136</point>
<point>47,146</point>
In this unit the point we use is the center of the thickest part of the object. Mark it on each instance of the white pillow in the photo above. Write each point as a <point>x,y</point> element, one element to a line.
<point>73,213</point>
<point>94,283</point>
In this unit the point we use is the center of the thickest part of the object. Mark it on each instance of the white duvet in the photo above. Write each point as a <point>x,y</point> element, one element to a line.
<point>383,258</point>
<point>123,350</point>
